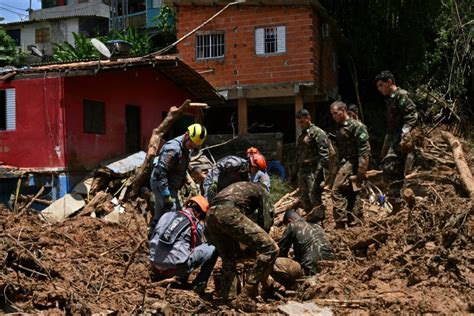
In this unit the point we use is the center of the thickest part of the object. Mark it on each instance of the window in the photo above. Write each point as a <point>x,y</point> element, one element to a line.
<point>270,40</point>
<point>94,117</point>
<point>210,45</point>
<point>15,35</point>
<point>42,35</point>
<point>7,110</point>
<point>155,4</point>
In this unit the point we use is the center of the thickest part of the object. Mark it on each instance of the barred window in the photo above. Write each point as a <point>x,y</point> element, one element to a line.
<point>210,45</point>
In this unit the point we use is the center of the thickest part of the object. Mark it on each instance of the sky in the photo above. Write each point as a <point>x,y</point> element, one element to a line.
<point>16,10</point>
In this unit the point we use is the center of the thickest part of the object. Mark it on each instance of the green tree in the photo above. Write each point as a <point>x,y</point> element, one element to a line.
<point>9,56</point>
<point>165,21</point>
<point>83,49</point>
<point>141,44</point>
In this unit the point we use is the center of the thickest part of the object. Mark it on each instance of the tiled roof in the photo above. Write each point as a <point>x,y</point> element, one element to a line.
<point>170,66</point>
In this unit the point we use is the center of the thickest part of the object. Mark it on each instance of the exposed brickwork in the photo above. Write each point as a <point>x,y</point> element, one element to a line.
<point>241,66</point>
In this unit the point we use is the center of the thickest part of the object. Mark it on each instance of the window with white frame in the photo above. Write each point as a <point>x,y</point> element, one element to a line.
<point>270,40</point>
<point>7,110</point>
<point>210,45</point>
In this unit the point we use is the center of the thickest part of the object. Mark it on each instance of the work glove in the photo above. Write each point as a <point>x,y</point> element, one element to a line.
<point>362,168</point>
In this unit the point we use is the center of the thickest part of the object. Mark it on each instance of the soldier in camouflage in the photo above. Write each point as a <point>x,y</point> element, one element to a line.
<point>309,242</point>
<point>401,118</point>
<point>312,151</point>
<point>353,151</point>
<point>242,214</point>
<point>169,170</point>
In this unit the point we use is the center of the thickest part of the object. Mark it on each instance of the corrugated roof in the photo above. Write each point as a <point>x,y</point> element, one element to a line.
<point>54,19</point>
<point>170,66</point>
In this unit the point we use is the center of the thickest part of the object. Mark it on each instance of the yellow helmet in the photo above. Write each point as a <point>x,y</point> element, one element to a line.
<point>197,133</point>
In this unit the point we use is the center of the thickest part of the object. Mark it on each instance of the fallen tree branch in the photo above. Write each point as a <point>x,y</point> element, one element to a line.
<point>463,168</point>
<point>285,197</point>
<point>173,115</point>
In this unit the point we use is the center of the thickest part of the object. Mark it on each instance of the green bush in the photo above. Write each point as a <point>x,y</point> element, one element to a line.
<point>279,188</point>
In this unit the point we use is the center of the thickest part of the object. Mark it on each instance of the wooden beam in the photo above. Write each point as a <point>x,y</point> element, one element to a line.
<point>242,111</point>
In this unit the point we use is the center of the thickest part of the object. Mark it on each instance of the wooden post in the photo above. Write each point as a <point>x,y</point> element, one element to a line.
<point>242,117</point>
<point>299,104</point>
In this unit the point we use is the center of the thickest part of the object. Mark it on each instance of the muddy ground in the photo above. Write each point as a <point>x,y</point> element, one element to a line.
<point>419,260</point>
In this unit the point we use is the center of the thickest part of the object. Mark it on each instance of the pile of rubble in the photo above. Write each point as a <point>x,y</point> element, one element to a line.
<point>417,260</point>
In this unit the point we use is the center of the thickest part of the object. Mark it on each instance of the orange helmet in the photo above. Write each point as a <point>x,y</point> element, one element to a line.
<point>257,160</point>
<point>252,151</point>
<point>200,201</point>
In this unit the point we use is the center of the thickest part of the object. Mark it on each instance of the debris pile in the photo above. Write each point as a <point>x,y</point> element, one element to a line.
<point>417,260</point>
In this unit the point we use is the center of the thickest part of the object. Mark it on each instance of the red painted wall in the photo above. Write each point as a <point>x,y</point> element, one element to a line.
<point>143,87</point>
<point>39,125</point>
<point>241,65</point>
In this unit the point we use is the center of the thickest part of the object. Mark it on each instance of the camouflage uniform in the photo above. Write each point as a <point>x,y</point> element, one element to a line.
<point>241,213</point>
<point>312,151</point>
<point>227,170</point>
<point>309,244</point>
<point>169,175</point>
<point>353,151</point>
<point>401,118</point>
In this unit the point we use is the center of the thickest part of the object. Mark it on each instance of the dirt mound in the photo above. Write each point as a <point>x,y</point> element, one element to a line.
<point>418,260</point>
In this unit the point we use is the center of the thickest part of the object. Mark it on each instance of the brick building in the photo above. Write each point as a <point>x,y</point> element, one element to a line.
<point>268,58</point>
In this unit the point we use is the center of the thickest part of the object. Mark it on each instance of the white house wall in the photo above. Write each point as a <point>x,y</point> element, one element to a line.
<point>59,31</point>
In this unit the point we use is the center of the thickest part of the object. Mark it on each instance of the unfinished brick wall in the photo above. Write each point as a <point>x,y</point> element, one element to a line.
<point>241,65</point>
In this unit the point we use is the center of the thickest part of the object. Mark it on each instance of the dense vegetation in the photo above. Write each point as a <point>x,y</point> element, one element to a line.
<point>425,43</point>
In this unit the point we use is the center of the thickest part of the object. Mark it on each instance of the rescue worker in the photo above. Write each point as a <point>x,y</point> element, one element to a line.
<point>177,248</point>
<point>242,213</point>
<point>353,149</point>
<point>231,169</point>
<point>258,170</point>
<point>169,169</point>
<point>312,152</point>
<point>397,152</point>
<point>353,111</point>
<point>309,242</point>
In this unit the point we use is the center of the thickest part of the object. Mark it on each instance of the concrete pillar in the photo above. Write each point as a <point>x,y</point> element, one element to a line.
<point>242,116</point>
<point>299,104</point>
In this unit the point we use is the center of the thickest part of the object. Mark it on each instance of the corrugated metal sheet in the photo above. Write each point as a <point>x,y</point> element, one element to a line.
<point>170,66</point>
<point>11,109</point>
<point>54,19</point>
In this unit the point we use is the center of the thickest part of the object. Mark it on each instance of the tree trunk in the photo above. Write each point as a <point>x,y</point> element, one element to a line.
<point>463,168</point>
<point>173,115</point>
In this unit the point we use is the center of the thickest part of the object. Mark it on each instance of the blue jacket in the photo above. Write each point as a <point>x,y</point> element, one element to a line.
<point>172,240</point>
<point>227,170</point>
<point>170,166</point>
<point>262,177</point>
